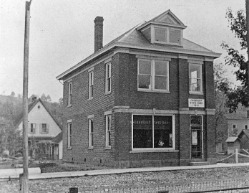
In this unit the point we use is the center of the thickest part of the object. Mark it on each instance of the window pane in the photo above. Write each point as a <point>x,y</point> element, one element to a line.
<point>144,81</point>
<point>160,68</point>
<point>160,34</point>
<point>195,71</point>
<point>142,131</point>
<point>163,132</point>
<point>161,82</point>
<point>195,84</point>
<point>144,67</point>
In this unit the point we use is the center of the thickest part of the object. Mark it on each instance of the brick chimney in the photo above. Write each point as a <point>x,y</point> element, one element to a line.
<point>98,33</point>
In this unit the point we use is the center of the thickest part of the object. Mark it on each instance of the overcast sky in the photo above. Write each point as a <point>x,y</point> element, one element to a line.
<point>61,33</point>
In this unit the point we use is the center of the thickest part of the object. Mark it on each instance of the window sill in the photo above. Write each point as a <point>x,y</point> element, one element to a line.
<point>153,150</point>
<point>90,99</point>
<point>196,93</point>
<point>154,91</point>
<point>69,148</point>
<point>107,93</point>
<point>90,147</point>
<point>69,106</point>
<point>108,147</point>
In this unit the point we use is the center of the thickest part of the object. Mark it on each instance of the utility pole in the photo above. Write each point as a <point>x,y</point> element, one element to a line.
<point>24,178</point>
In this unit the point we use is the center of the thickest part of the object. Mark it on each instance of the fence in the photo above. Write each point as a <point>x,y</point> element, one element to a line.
<point>231,185</point>
<point>238,156</point>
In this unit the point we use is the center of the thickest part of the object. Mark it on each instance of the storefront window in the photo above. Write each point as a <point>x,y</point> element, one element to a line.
<point>151,131</point>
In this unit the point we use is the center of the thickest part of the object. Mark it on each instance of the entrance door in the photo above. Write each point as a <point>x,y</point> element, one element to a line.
<point>196,137</point>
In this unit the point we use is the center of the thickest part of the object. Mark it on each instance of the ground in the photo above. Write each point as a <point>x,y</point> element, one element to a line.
<point>229,177</point>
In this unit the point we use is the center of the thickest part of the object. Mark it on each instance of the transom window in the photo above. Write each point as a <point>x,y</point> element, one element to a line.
<point>153,132</point>
<point>195,78</point>
<point>153,75</point>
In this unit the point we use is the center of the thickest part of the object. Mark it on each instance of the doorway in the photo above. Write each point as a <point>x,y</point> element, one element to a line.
<point>196,137</point>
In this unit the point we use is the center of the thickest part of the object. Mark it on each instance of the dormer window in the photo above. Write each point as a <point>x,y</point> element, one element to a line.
<point>166,35</point>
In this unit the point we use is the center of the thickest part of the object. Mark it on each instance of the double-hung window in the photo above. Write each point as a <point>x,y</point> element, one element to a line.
<point>108,121</point>
<point>153,132</point>
<point>43,128</point>
<point>153,75</point>
<point>32,128</point>
<point>90,131</point>
<point>90,84</point>
<point>108,76</point>
<point>195,78</point>
<point>69,102</point>
<point>69,134</point>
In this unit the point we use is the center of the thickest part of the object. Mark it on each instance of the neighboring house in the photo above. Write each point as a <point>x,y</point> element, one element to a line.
<point>57,150</point>
<point>233,143</point>
<point>42,129</point>
<point>144,99</point>
<point>244,139</point>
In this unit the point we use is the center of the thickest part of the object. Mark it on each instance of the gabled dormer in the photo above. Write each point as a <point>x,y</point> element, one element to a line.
<point>165,29</point>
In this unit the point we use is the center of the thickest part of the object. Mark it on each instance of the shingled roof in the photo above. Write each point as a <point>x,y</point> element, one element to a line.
<point>133,38</point>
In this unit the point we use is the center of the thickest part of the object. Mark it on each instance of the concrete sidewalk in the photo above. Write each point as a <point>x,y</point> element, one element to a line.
<point>127,170</point>
<point>36,176</point>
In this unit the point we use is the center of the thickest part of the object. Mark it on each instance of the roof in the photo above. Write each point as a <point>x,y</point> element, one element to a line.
<point>231,139</point>
<point>237,116</point>
<point>30,107</point>
<point>58,138</point>
<point>133,38</point>
<point>244,131</point>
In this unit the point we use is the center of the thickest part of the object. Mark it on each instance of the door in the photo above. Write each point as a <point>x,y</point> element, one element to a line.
<point>196,137</point>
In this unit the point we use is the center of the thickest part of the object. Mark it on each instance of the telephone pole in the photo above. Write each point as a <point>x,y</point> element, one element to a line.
<point>247,40</point>
<point>24,178</point>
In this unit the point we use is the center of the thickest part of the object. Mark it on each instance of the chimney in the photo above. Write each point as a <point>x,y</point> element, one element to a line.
<point>98,33</point>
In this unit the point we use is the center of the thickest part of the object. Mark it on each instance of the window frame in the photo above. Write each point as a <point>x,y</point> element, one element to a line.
<point>167,35</point>
<point>108,78</point>
<point>90,131</point>
<point>108,126</point>
<point>41,129</point>
<point>90,83</point>
<point>70,92</point>
<point>69,134</point>
<point>153,149</point>
<point>201,79</point>
<point>34,128</point>
<point>153,75</point>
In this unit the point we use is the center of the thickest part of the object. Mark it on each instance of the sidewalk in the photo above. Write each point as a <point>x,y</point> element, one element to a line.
<point>35,175</point>
<point>127,170</point>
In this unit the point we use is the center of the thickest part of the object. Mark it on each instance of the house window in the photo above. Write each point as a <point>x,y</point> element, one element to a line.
<point>69,102</point>
<point>195,78</point>
<point>69,134</point>
<point>246,127</point>
<point>108,119</point>
<point>32,128</point>
<point>234,126</point>
<point>44,128</point>
<point>153,132</point>
<point>90,82</point>
<point>167,35</point>
<point>90,128</point>
<point>108,78</point>
<point>153,75</point>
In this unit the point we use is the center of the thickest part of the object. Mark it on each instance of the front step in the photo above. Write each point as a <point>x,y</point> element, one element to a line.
<point>199,163</point>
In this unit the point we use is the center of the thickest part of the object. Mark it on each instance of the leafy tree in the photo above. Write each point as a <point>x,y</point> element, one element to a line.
<point>240,95</point>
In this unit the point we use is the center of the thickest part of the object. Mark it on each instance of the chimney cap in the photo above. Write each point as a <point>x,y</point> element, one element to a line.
<point>99,19</point>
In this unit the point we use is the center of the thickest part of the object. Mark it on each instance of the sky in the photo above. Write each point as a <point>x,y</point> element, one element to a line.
<point>61,34</point>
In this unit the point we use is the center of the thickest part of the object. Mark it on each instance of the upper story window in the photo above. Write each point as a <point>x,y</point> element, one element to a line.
<point>32,128</point>
<point>153,75</point>
<point>195,78</point>
<point>69,101</point>
<point>44,128</point>
<point>108,76</point>
<point>90,84</point>
<point>167,35</point>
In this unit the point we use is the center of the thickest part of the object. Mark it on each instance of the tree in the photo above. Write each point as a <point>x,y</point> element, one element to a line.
<point>240,95</point>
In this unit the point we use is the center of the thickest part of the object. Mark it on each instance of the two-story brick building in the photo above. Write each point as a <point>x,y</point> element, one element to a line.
<point>144,99</point>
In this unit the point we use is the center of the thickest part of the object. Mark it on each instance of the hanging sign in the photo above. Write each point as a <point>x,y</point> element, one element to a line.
<point>196,103</point>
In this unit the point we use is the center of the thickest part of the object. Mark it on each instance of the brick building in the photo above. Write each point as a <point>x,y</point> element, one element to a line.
<point>144,99</point>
